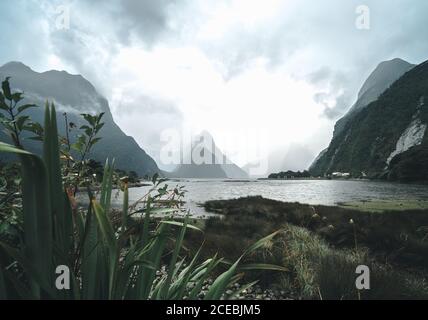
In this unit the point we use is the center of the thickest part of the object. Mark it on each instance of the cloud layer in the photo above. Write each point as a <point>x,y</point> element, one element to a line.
<point>285,69</point>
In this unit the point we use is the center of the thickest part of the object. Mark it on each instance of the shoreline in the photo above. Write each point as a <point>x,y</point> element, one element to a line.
<point>422,182</point>
<point>314,241</point>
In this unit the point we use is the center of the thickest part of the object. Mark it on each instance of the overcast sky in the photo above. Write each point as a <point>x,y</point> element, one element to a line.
<point>276,73</point>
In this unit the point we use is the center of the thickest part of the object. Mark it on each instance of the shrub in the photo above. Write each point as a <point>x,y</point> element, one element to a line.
<point>104,261</point>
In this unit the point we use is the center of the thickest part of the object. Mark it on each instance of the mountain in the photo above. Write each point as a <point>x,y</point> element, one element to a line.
<point>387,138</point>
<point>205,160</point>
<point>381,78</point>
<point>74,95</point>
<point>385,74</point>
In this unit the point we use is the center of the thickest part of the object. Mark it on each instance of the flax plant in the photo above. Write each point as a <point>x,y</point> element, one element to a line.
<point>105,261</point>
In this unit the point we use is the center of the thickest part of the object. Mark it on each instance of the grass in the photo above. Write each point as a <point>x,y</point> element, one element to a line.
<point>316,249</point>
<point>319,271</point>
<point>322,246</point>
<point>106,259</point>
<point>386,205</point>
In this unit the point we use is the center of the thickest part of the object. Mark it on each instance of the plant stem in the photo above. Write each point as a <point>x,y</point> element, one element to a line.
<point>15,135</point>
<point>67,138</point>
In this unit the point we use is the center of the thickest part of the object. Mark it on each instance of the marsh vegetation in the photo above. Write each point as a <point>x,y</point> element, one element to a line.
<point>103,256</point>
<point>152,249</point>
<point>321,246</point>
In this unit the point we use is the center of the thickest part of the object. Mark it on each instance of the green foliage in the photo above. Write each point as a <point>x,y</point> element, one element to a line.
<point>410,165</point>
<point>82,171</point>
<point>290,175</point>
<point>105,261</point>
<point>320,247</point>
<point>10,203</point>
<point>88,139</point>
<point>365,142</point>
<point>12,118</point>
<point>14,123</point>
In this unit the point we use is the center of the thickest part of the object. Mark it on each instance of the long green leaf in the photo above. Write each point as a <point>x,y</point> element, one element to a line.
<point>174,257</point>
<point>180,224</point>
<point>202,273</point>
<point>241,289</point>
<point>111,242</point>
<point>125,208</point>
<point>147,276</point>
<point>90,274</point>
<point>184,277</point>
<point>31,270</point>
<point>260,243</point>
<point>37,217</point>
<point>51,156</point>
<point>220,284</point>
<point>3,293</point>
<point>262,266</point>
<point>4,147</point>
<point>20,288</point>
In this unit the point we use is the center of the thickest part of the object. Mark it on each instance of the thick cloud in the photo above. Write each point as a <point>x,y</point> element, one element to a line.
<point>258,62</point>
<point>145,118</point>
<point>23,36</point>
<point>335,96</point>
<point>144,20</point>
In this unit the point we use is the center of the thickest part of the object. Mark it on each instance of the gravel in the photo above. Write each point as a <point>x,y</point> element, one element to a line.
<point>255,292</point>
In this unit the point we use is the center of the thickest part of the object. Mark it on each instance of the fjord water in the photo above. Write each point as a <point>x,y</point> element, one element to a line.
<point>324,192</point>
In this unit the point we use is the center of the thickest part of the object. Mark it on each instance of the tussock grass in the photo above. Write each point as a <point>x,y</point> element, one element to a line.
<point>397,237</point>
<point>321,247</point>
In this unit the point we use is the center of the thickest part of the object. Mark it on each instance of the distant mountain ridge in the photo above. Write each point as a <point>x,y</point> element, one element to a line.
<point>387,138</point>
<point>205,160</point>
<point>73,94</point>
<point>380,79</point>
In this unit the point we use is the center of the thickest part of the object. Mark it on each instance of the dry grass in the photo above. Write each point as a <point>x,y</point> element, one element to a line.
<point>321,248</point>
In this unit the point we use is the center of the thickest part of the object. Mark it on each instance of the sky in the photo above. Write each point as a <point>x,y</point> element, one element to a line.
<point>267,78</point>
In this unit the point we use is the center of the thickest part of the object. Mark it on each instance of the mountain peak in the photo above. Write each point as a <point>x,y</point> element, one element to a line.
<point>16,66</point>
<point>218,165</point>
<point>384,75</point>
<point>47,82</point>
<point>388,138</point>
<point>75,95</point>
<point>19,67</point>
<point>395,61</point>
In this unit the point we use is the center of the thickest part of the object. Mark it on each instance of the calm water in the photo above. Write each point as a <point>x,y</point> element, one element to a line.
<point>326,192</point>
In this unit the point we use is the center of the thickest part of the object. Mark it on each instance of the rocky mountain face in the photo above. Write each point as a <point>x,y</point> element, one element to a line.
<point>379,80</point>
<point>387,138</point>
<point>205,160</point>
<point>385,74</point>
<point>73,95</point>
